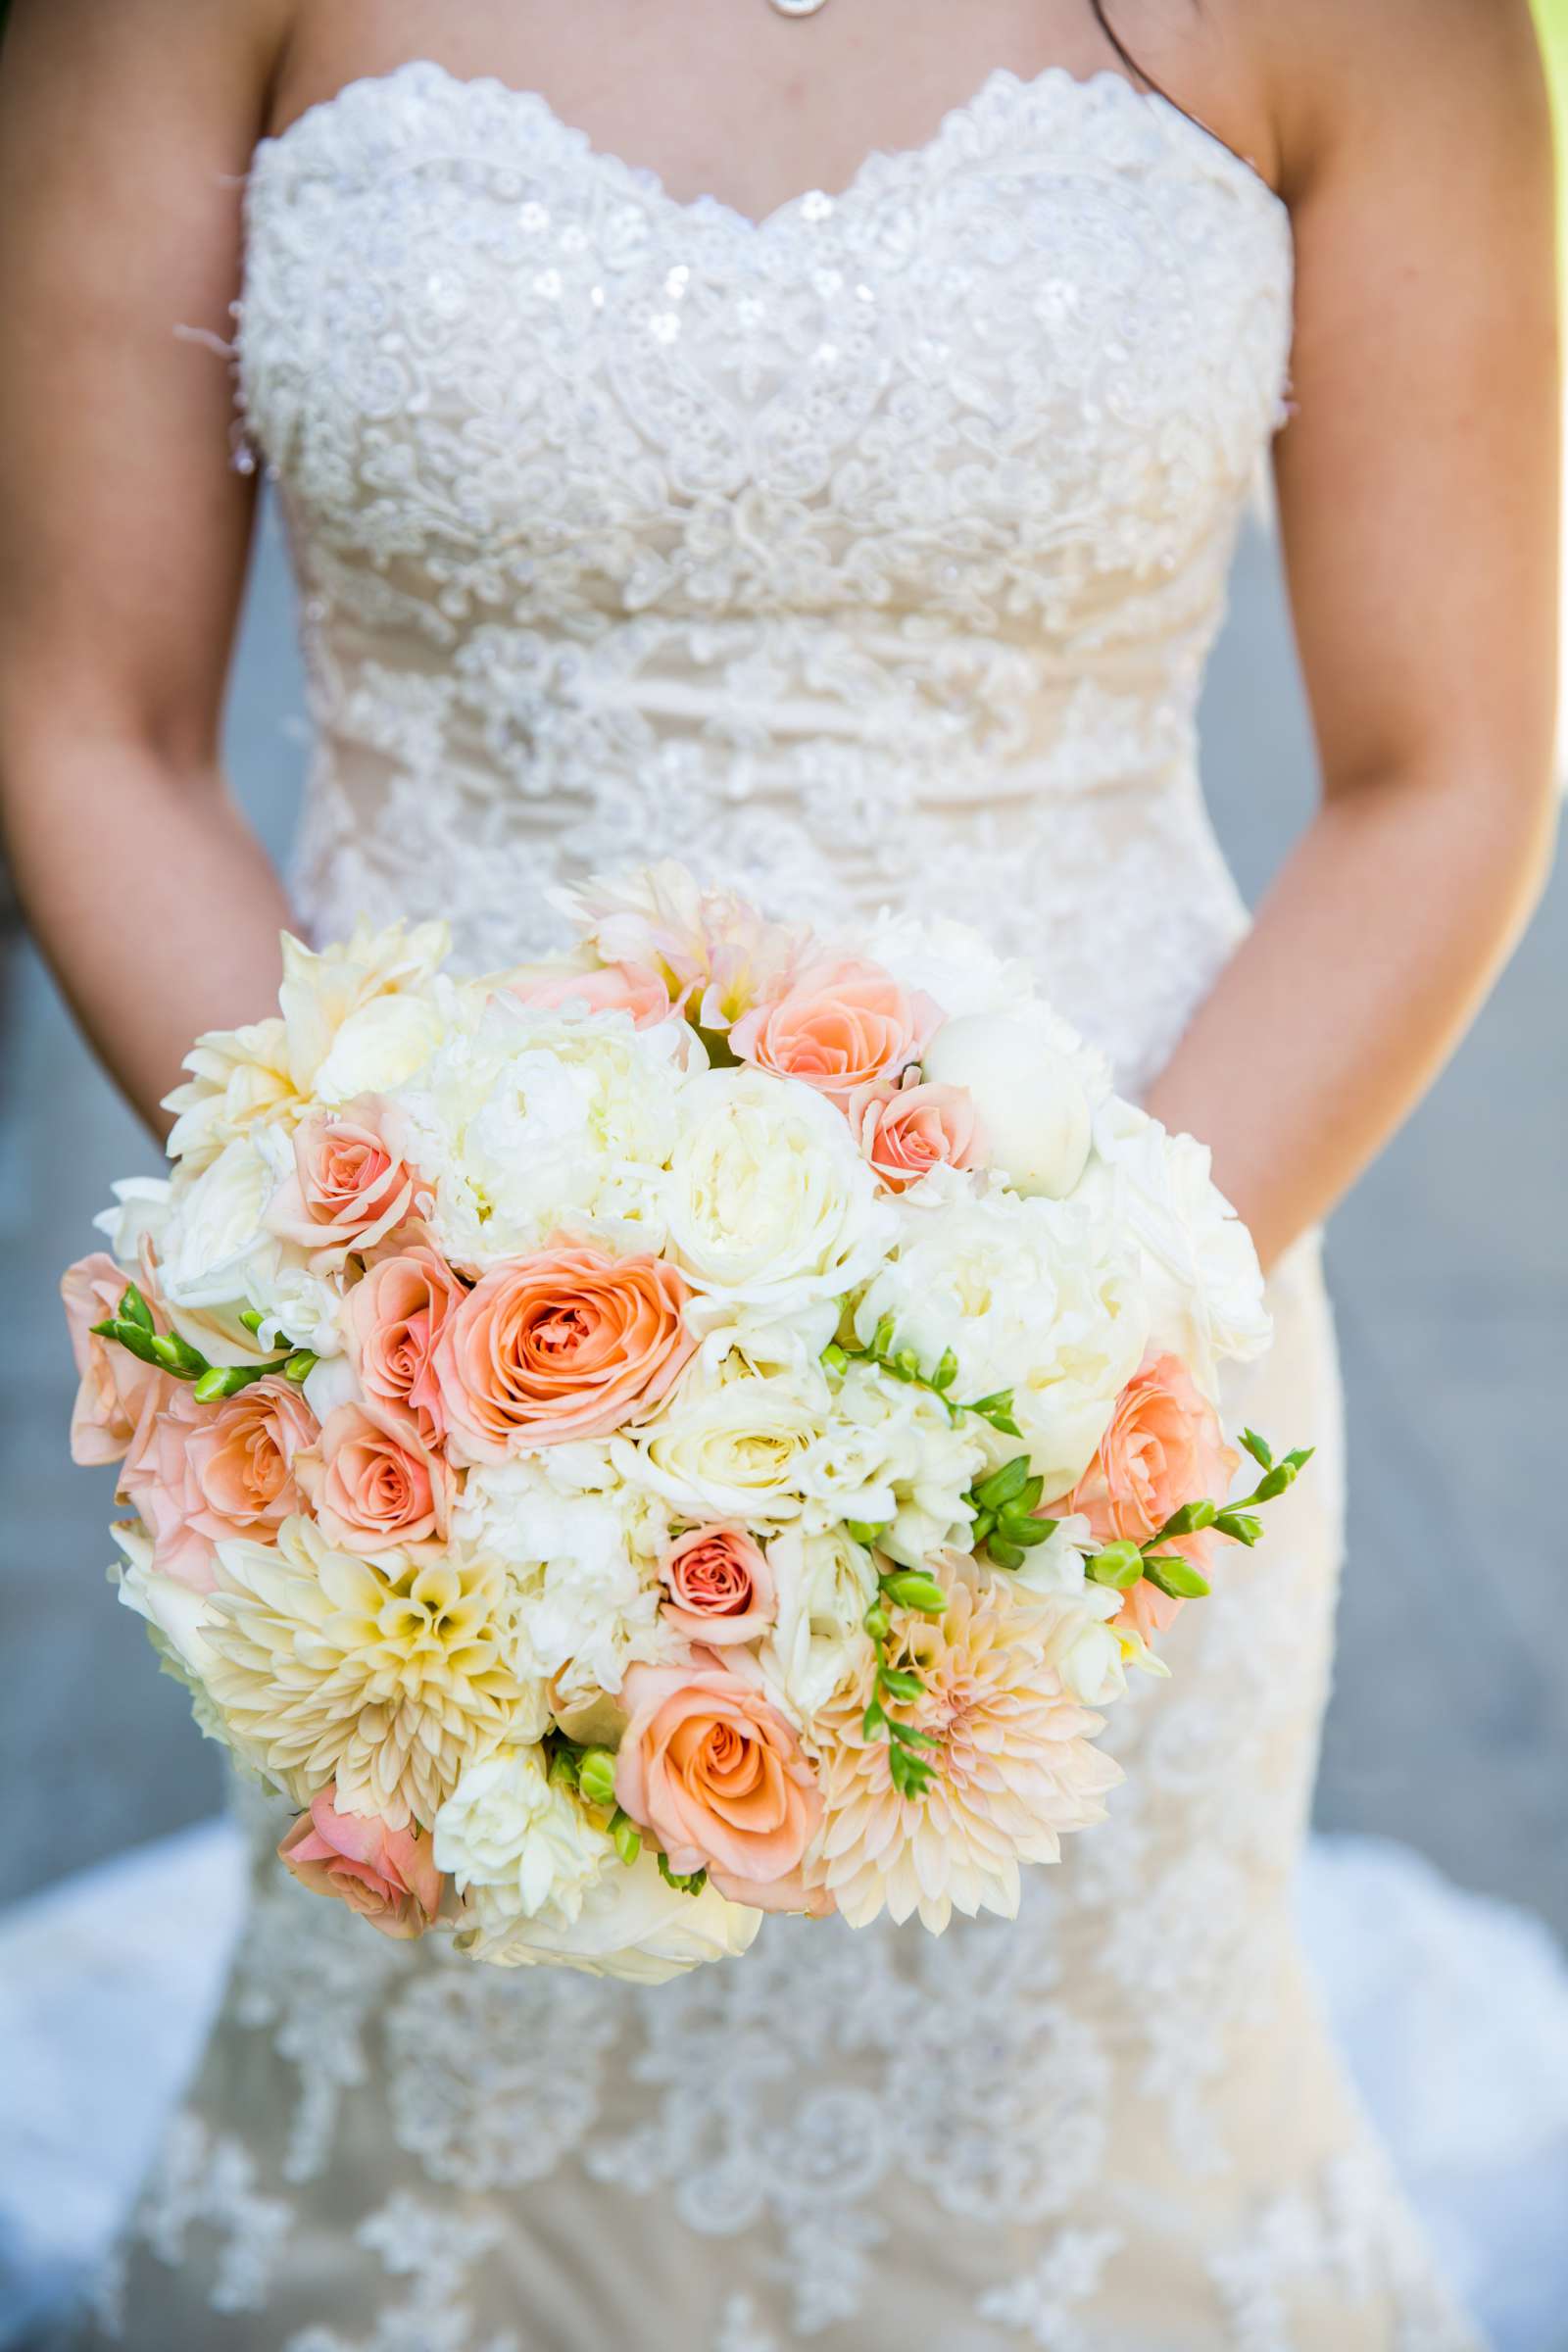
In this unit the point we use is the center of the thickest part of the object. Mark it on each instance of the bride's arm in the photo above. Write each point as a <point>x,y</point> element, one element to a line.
<point>1420,502</point>
<point>123,529</point>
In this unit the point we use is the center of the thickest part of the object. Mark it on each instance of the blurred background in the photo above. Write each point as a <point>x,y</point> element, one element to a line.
<point>1448,1726</point>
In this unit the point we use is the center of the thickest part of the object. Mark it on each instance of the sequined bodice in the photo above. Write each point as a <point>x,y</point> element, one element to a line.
<point>872,551</point>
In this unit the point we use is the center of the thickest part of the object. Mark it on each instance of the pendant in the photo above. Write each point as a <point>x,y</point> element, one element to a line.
<point>798,8</point>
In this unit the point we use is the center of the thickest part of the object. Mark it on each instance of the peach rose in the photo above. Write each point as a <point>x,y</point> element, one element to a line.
<point>348,1191</point>
<point>387,1876</point>
<point>1164,1447</point>
<point>720,1585</point>
<point>392,1322</point>
<point>199,1473</point>
<point>715,1774</point>
<point>117,1392</point>
<point>841,1025</point>
<point>905,1131</point>
<point>634,988</point>
<point>375,1482</point>
<point>567,1343</point>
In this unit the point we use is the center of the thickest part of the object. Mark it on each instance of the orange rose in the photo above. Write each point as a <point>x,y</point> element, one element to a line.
<point>907,1130</point>
<point>348,1191</point>
<point>375,1482</point>
<point>387,1876</point>
<point>569,1342</point>
<point>393,1320</point>
<point>1164,1447</point>
<point>720,1585</point>
<point>842,1024</point>
<point>199,1473</point>
<point>118,1392</point>
<point>715,1774</point>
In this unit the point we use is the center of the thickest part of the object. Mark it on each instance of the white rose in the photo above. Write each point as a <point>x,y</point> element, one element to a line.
<point>893,1457</point>
<point>772,1211</point>
<point>140,1211</point>
<point>529,1843</point>
<point>825,1584</point>
<point>214,1239</point>
<point>526,1121</point>
<point>1030,1095</point>
<point>632,1924</point>
<point>1200,1269</point>
<point>589,1606</point>
<point>357,1019</point>
<point>1033,1296</point>
<point>737,1451</point>
<point>169,1606</point>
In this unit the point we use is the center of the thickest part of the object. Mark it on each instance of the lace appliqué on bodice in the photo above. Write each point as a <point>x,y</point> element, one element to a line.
<point>869,552</point>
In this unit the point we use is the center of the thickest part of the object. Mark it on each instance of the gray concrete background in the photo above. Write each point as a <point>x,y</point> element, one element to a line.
<point>1449,1720</point>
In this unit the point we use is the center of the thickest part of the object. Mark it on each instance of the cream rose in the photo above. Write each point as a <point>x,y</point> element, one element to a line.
<point>771,1208</point>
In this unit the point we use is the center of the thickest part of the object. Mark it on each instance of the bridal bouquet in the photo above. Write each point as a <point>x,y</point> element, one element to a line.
<point>699,1426</point>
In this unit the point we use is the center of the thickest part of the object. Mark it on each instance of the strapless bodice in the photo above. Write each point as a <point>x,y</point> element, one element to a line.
<point>869,552</point>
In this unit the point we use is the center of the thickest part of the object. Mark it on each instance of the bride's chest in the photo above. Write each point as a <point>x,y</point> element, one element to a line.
<point>1049,344</point>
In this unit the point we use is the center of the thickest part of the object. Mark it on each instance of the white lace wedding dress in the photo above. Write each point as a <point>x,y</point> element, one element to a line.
<point>867,552</point>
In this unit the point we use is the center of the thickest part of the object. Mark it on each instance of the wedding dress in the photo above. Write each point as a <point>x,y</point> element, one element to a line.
<point>867,552</point>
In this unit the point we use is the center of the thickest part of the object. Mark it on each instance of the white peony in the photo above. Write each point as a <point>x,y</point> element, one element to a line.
<point>582,1563</point>
<point>1033,1296</point>
<point>825,1584</point>
<point>526,1122</point>
<point>947,960</point>
<point>772,1211</point>
<point>738,1450</point>
<point>1200,1269</point>
<point>893,1457</point>
<point>527,1843</point>
<point>632,1924</point>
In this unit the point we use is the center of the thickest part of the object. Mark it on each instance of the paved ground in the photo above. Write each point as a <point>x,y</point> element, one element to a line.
<point>1449,1722</point>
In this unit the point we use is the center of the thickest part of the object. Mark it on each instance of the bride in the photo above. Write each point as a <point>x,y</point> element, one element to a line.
<point>859,546</point>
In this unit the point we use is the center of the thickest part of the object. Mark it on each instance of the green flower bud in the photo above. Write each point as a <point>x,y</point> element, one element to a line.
<point>626,1836</point>
<point>299,1367</point>
<point>874,1720</point>
<point>909,1588</point>
<point>1243,1527</point>
<point>1261,1452</point>
<point>596,1774</point>
<point>896,1682</point>
<point>1003,1485</point>
<point>134,1308</point>
<point>1173,1575</point>
<point>252,1319</point>
<point>868,1532</point>
<point>946,1371</point>
<point>1190,1518</point>
<point>1005,1555</point>
<point>877,1623</point>
<point>1119,1565</point>
<point>213,1384</point>
<point>1275,1482</point>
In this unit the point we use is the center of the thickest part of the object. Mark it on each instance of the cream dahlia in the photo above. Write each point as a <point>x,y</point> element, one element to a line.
<point>389,1674</point>
<point>1013,1770</point>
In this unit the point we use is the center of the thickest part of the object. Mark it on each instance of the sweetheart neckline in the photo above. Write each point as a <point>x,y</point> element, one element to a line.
<point>877,164</point>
